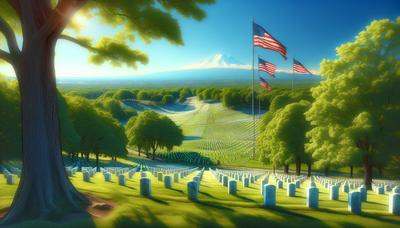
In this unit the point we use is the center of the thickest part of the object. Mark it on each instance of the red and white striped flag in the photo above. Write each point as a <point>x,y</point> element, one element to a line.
<point>266,67</point>
<point>265,84</point>
<point>262,38</point>
<point>299,68</point>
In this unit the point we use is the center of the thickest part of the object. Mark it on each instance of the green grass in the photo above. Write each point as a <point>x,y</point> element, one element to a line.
<point>217,132</point>
<point>170,207</point>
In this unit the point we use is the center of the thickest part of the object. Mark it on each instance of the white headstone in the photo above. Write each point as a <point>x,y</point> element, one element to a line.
<point>269,195</point>
<point>363,191</point>
<point>246,182</point>
<point>225,181</point>
<point>232,185</point>
<point>291,189</point>
<point>167,181</point>
<point>192,190</point>
<point>107,177</point>
<point>121,180</point>
<point>394,203</point>
<point>145,186</point>
<point>354,202</point>
<point>334,192</point>
<point>176,177</point>
<point>86,176</point>
<point>159,176</point>
<point>312,197</point>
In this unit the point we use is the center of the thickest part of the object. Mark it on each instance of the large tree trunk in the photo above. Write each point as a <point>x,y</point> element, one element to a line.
<point>97,162</point>
<point>326,171</point>
<point>44,187</point>
<point>298,166</point>
<point>351,171</point>
<point>367,173</point>
<point>380,171</point>
<point>286,169</point>
<point>309,169</point>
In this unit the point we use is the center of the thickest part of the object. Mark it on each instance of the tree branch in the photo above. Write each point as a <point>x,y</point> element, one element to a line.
<point>6,57</point>
<point>9,34</point>
<point>77,41</point>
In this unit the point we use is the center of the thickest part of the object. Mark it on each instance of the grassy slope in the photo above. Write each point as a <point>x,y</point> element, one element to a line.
<point>216,132</point>
<point>216,208</point>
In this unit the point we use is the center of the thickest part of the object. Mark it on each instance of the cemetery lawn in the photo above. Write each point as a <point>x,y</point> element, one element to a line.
<point>170,207</point>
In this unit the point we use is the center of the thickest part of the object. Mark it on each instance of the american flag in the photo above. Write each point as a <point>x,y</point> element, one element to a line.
<point>266,67</point>
<point>262,38</point>
<point>299,68</point>
<point>265,84</point>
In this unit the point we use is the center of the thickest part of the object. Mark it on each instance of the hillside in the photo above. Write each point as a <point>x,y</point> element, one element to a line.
<point>213,131</point>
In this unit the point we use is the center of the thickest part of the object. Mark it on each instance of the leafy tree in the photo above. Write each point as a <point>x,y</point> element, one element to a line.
<point>283,140</point>
<point>40,24</point>
<point>124,94</point>
<point>355,114</point>
<point>184,93</point>
<point>70,139</point>
<point>143,95</point>
<point>10,123</point>
<point>114,107</point>
<point>100,133</point>
<point>167,99</point>
<point>151,131</point>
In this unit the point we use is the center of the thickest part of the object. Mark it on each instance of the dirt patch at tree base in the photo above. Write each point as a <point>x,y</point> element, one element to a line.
<point>98,207</point>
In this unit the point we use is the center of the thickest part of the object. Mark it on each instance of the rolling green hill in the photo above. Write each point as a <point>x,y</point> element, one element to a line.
<point>212,130</point>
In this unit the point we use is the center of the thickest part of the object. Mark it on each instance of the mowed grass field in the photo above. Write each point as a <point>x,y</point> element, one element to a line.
<point>216,208</point>
<point>216,132</point>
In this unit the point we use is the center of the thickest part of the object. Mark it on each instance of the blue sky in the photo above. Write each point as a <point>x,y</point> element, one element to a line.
<point>310,29</point>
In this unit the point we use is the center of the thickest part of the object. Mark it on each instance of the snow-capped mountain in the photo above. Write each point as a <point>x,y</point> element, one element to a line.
<point>217,61</point>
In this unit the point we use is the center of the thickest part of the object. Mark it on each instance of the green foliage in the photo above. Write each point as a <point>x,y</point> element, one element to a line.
<point>283,140</point>
<point>184,93</point>
<point>70,139</point>
<point>10,121</point>
<point>151,131</point>
<point>355,114</point>
<point>168,99</point>
<point>143,95</point>
<point>100,133</point>
<point>114,107</point>
<point>124,94</point>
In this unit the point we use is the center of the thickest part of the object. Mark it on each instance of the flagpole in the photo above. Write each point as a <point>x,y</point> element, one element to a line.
<point>292,73</point>
<point>252,94</point>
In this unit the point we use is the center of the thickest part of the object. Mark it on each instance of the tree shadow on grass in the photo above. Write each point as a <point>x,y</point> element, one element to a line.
<point>244,198</point>
<point>288,218</point>
<point>177,190</point>
<point>138,221</point>
<point>379,218</point>
<point>207,194</point>
<point>160,201</point>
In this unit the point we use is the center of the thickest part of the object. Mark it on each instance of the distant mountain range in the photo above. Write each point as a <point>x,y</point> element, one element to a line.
<point>217,70</point>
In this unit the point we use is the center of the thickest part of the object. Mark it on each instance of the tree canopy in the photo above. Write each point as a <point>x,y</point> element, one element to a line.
<point>283,140</point>
<point>100,133</point>
<point>355,114</point>
<point>151,131</point>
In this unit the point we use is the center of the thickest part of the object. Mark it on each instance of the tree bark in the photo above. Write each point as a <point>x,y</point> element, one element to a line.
<point>44,187</point>
<point>326,171</point>
<point>97,162</point>
<point>298,166</point>
<point>367,173</point>
<point>380,171</point>
<point>351,171</point>
<point>286,169</point>
<point>309,169</point>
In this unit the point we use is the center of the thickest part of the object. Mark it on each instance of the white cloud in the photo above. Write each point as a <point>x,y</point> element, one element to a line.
<point>217,61</point>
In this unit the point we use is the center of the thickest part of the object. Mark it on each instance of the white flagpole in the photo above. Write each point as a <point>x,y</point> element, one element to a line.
<point>252,94</point>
